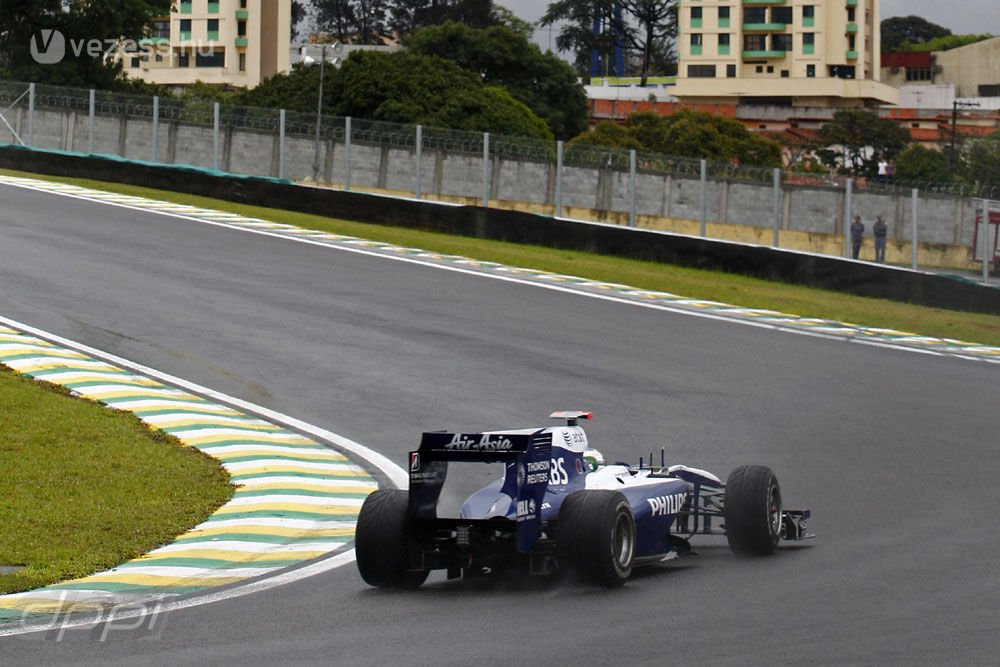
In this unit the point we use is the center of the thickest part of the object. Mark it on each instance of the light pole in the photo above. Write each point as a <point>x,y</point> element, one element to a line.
<point>954,127</point>
<point>308,61</point>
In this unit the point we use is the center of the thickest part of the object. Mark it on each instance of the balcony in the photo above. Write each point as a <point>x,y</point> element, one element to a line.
<point>764,27</point>
<point>755,55</point>
<point>242,14</point>
<point>766,2</point>
<point>852,28</point>
<point>242,41</point>
<point>852,55</point>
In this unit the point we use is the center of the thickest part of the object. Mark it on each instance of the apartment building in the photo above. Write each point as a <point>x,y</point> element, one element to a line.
<point>802,53</point>
<point>235,42</point>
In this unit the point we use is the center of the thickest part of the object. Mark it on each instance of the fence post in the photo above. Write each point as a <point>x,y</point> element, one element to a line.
<point>347,154</point>
<point>704,197</point>
<point>156,126</point>
<point>848,195</point>
<point>913,213</point>
<point>90,122</point>
<point>559,177</point>
<point>486,169</point>
<point>281,144</point>
<point>217,117</point>
<point>31,115</point>
<point>984,238</point>
<point>631,187</point>
<point>777,206</point>
<point>420,157</point>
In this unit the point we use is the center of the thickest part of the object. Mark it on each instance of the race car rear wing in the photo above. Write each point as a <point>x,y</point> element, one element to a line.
<point>529,452</point>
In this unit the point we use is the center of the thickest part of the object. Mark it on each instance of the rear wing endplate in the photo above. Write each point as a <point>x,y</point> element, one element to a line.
<point>529,452</point>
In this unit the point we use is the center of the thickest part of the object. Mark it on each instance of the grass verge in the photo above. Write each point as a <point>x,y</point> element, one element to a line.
<point>86,488</point>
<point>695,283</point>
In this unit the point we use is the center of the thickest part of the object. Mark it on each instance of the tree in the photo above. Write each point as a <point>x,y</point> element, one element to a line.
<point>919,164</point>
<point>686,134</point>
<point>299,14</point>
<point>80,23</point>
<point>408,16</point>
<point>501,57</point>
<point>982,160</point>
<point>857,139</point>
<point>898,30</point>
<point>354,21</point>
<point>645,26</point>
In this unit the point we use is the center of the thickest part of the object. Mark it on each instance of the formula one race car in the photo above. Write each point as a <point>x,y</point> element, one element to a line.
<point>559,508</point>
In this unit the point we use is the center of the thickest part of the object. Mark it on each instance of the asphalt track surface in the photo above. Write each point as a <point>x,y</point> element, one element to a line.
<point>894,451</point>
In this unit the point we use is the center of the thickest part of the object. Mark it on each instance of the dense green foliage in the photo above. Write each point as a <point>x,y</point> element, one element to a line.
<point>857,139</point>
<point>380,21</point>
<point>945,43</point>
<point>919,164</point>
<point>504,58</point>
<point>692,134</point>
<point>80,22</point>
<point>981,158</point>
<point>402,87</point>
<point>900,30</point>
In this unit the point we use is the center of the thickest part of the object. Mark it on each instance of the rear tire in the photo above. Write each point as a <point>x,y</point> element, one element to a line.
<point>596,537</point>
<point>753,511</point>
<point>382,542</point>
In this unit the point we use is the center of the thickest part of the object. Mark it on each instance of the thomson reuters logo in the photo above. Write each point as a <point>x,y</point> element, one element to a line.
<point>48,47</point>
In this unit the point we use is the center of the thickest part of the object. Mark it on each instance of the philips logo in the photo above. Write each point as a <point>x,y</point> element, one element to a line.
<point>666,505</point>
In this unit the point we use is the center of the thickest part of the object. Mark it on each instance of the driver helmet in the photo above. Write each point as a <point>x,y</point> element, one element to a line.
<point>593,458</point>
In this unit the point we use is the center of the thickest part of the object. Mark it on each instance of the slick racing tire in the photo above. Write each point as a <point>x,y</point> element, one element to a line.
<point>596,537</point>
<point>382,541</point>
<point>753,511</point>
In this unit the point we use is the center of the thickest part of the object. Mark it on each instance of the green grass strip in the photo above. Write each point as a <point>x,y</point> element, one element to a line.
<point>694,283</point>
<point>85,488</point>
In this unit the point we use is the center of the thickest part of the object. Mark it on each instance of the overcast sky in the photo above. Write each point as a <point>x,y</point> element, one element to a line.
<point>959,16</point>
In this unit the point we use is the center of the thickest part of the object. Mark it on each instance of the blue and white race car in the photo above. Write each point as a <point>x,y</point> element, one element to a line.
<point>559,508</point>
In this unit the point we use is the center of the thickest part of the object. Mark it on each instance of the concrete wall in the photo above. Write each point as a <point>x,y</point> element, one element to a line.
<point>595,193</point>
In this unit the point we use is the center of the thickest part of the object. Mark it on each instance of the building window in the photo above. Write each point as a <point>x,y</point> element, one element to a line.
<point>696,17</point>
<point>755,15</point>
<point>213,30</point>
<point>785,74</point>
<point>724,44</point>
<point>183,59</point>
<point>808,16</point>
<point>696,44</point>
<point>135,62</point>
<point>770,69</point>
<point>243,4</point>
<point>701,71</point>
<point>811,71</point>
<point>723,17</point>
<point>243,62</point>
<point>755,42</point>
<point>160,30</point>
<point>216,58</point>
<point>241,29</point>
<point>731,71</point>
<point>851,14</point>
<point>185,30</point>
<point>808,43</point>
<point>213,7</point>
<point>919,74</point>
<point>759,69</point>
<point>781,42</point>
<point>781,15</point>
<point>185,6</point>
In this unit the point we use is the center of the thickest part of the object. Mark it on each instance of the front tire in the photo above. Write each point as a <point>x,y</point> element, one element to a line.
<point>753,511</point>
<point>596,536</point>
<point>382,542</point>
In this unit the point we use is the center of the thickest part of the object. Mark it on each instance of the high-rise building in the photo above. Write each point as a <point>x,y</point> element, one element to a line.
<point>821,53</point>
<point>236,42</point>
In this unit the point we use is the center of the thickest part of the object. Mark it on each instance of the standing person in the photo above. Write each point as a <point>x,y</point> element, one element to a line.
<point>857,236</point>
<point>890,172</point>
<point>879,230</point>
<point>883,169</point>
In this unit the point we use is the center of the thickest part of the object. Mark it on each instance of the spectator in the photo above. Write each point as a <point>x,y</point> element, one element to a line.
<point>878,231</point>
<point>883,169</point>
<point>890,172</point>
<point>857,236</point>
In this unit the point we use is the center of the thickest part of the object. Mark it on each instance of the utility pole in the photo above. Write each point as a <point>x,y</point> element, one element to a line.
<point>954,125</point>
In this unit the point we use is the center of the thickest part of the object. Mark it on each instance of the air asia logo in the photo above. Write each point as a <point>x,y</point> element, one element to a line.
<point>48,47</point>
<point>484,444</point>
